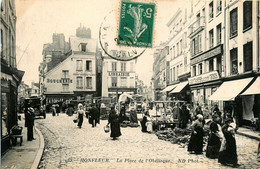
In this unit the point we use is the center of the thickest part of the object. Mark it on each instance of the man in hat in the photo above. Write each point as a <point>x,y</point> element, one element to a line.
<point>29,121</point>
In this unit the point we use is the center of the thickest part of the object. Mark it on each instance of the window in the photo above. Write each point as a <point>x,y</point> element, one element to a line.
<point>131,66</point>
<point>247,12</point>
<point>198,91</point>
<point>177,48</point>
<point>180,69</point>
<point>171,53</point>
<point>170,75</point>
<point>194,70</point>
<point>233,22</point>
<point>180,46</point>
<point>89,82</point>
<point>211,67</point>
<point>123,81</point>
<point>88,65</point>
<point>248,56</point>
<point>173,48</point>
<point>35,91</point>
<point>177,71</point>
<point>123,67</point>
<point>219,6</point>
<point>196,45</point>
<point>211,13</point>
<point>233,61</point>
<point>65,87</point>
<point>79,65</point>
<point>200,69</point>
<point>211,38</point>
<point>174,74</point>
<point>219,65</point>
<point>83,47</point>
<point>79,82</point>
<point>219,34</point>
<point>114,81</point>
<point>114,66</point>
<point>65,73</point>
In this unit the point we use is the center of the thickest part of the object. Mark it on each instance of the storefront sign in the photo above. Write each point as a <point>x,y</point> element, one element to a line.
<point>204,78</point>
<point>207,55</point>
<point>118,73</point>
<point>63,80</point>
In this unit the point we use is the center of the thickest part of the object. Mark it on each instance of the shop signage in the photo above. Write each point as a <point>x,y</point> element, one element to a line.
<point>204,78</point>
<point>63,80</point>
<point>206,55</point>
<point>118,73</point>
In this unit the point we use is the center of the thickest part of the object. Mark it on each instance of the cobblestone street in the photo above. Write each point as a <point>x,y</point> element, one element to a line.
<point>67,146</point>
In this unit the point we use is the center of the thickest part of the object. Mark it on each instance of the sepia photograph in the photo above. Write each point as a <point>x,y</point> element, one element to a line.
<point>120,84</point>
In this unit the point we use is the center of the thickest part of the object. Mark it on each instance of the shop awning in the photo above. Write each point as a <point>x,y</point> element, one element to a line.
<point>229,90</point>
<point>254,88</point>
<point>169,88</point>
<point>179,87</point>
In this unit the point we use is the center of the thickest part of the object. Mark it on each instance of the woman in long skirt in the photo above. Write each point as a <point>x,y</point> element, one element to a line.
<point>114,122</point>
<point>196,139</point>
<point>228,150</point>
<point>214,141</point>
<point>80,115</point>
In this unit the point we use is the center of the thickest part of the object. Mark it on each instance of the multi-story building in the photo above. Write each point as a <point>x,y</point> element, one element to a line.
<point>206,33</point>
<point>117,76</point>
<point>240,87</point>
<point>178,58</point>
<point>159,71</point>
<point>10,75</point>
<point>74,74</point>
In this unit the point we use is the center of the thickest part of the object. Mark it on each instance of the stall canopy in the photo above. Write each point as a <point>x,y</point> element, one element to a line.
<point>179,87</point>
<point>229,90</point>
<point>254,88</point>
<point>169,88</point>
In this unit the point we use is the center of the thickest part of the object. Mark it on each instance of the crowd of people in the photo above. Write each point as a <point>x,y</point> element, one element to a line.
<point>221,138</point>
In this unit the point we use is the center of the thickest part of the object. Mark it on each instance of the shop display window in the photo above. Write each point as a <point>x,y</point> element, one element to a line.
<point>4,110</point>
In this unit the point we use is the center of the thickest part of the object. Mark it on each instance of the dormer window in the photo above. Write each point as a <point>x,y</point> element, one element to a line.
<point>83,47</point>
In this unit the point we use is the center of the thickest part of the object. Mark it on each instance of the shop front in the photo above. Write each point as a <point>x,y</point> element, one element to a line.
<point>10,79</point>
<point>181,92</point>
<point>202,87</point>
<point>241,100</point>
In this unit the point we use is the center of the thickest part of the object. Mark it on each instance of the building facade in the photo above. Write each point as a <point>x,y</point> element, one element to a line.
<point>222,55</point>
<point>178,57</point>
<point>10,75</point>
<point>75,76</point>
<point>117,76</point>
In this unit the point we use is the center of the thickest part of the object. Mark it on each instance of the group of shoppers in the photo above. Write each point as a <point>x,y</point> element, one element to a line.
<point>94,115</point>
<point>221,140</point>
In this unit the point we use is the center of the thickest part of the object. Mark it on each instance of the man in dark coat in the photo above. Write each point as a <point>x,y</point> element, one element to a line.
<point>94,115</point>
<point>29,121</point>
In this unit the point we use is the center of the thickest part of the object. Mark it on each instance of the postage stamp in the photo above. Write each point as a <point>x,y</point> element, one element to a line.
<point>136,24</point>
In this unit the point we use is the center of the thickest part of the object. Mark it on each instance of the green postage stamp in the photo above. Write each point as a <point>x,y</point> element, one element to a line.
<point>136,24</point>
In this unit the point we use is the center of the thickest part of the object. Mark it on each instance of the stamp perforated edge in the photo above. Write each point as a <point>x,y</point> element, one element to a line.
<point>118,11</point>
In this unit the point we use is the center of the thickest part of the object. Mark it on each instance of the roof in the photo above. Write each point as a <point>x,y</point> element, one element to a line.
<point>76,41</point>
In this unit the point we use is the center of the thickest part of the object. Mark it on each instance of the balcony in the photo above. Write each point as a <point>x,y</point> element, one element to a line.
<point>197,26</point>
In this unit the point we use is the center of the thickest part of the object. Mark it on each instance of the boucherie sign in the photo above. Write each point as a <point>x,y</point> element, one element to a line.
<point>204,78</point>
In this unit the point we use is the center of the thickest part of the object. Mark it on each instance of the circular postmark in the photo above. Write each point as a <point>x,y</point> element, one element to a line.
<point>110,37</point>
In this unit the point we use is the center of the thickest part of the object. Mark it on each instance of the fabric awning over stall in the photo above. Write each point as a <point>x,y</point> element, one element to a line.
<point>254,88</point>
<point>169,88</point>
<point>229,90</point>
<point>179,87</point>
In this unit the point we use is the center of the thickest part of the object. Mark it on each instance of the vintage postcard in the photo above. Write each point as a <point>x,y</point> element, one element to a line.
<point>130,84</point>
